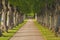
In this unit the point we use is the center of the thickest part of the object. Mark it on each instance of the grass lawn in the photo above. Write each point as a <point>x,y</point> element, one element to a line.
<point>10,33</point>
<point>46,33</point>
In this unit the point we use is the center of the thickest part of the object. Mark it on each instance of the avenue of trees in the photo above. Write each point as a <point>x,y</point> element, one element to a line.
<point>47,13</point>
<point>10,16</point>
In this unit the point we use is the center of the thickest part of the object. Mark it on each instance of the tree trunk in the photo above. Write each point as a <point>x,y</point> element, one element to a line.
<point>14,14</point>
<point>1,6</point>
<point>10,22</point>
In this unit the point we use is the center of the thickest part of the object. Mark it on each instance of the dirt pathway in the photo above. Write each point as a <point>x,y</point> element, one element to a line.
<point>28,32</point>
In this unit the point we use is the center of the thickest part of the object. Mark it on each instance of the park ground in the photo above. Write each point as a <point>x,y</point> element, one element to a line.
<point>30,30</point>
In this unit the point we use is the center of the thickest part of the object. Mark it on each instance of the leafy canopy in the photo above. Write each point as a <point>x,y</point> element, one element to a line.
<point>28,6</point>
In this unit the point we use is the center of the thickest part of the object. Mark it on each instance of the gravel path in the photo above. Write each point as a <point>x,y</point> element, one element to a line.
<point>28,32</point>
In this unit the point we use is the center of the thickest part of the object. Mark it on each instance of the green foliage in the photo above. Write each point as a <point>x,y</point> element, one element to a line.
<point>28,6</point>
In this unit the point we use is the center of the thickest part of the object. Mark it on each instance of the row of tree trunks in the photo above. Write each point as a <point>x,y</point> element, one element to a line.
<point>50,16</point>
<point>10,16</point>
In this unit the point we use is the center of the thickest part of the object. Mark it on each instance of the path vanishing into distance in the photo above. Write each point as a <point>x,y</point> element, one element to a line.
<point>28,32</point>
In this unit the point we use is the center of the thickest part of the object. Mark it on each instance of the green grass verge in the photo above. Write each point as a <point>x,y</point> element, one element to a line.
<point>46,33</point>
<point>10,33</point>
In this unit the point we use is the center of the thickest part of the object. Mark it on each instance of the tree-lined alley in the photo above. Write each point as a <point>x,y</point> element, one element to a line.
<point>13,12</point>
